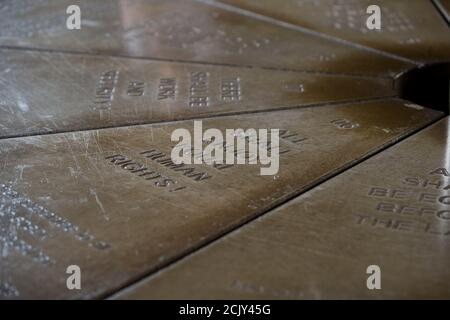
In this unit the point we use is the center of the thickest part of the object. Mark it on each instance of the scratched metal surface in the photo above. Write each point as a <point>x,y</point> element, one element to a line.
<point>392,211</point>
<point>64,201</point>
<point>411,29</point>
<point>45,92</point>
<point>185,30</point>
<point>111,201</point>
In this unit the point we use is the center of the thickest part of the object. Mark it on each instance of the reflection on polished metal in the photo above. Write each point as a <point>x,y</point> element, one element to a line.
<point>45,92</point>
<point>411,29</point>
<point>112,202</point>
<point>392,211</point>
<point>182,30</point>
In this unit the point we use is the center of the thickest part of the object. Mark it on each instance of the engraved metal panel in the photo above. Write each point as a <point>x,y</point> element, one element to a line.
<point>111,201</point>
<point>392,211</point>
<point>411,29</point>
<point>44,92</point>
<point>182,30</point>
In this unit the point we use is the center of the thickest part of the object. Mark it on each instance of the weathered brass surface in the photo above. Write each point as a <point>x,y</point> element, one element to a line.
<point>392,211</point>
<point>182,30</point>
<point>410,29</point>
<point>43,92</point>
<point>89,198</point>
<point>86,179</point>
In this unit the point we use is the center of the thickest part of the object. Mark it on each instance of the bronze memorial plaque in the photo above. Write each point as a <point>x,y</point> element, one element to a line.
<point>314,135</point>
<point>411,29</point>
<point>112,202</point>
<point>183,30</point>
<point>43,92</point>
<point>392,212</point>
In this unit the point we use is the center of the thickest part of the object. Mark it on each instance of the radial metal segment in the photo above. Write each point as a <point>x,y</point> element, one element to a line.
<point>47,92</point>
<point>184,30</point>
<point>392,211</point>
<point>409,29</point>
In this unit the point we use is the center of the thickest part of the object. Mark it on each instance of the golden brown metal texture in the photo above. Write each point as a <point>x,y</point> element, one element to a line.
<point>111,202</point>
<point>392,211</point>
<point>410,29</point>
<point>43,92</point>
<point>182,30</point>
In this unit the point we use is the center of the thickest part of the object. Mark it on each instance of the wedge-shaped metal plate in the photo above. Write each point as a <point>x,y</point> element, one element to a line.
<point>53,92</point>
<point>181,30</point>
<point>392,211</point>
<point>111,201</point>
<point>411,29</point>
